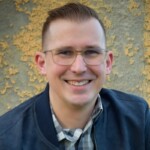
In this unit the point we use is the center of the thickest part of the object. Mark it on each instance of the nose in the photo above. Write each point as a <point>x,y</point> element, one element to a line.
<point>78,66</point>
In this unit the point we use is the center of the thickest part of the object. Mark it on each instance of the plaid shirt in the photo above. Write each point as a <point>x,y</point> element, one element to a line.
<point>72,139</point>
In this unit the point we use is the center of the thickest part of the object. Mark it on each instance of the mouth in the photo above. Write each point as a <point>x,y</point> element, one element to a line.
<point>78,83</point>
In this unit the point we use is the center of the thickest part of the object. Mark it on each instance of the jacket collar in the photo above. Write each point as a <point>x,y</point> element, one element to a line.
<point>44,117</point>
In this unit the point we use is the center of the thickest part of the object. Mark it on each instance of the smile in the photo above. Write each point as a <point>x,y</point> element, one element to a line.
<point>78,83</point>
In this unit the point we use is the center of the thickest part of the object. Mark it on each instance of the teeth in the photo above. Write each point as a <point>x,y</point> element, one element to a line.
<point>76,83</point>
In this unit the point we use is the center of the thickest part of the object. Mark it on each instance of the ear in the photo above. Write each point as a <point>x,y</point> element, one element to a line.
<point>109,62</point>
<point>40,62</point>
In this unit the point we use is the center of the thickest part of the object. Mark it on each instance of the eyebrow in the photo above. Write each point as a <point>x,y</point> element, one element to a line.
<point>71,47</point>
<point>88,46</point>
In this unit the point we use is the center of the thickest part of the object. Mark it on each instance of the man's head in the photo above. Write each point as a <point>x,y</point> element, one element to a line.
<point>73,12</point>
<point>75,61</point>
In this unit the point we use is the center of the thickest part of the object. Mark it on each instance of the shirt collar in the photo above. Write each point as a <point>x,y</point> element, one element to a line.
<point>76,133</point>
<point>98,107</point>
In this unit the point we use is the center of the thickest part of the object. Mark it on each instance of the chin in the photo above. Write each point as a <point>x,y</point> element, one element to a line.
<point>81,100</point>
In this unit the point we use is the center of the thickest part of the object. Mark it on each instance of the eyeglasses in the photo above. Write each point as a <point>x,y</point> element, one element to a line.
<point>67,55</point>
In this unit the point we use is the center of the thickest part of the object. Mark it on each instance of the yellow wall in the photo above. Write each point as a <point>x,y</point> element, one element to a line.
<point>128,35</point>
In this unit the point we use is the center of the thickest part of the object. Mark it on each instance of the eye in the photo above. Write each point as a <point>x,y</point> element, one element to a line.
<point>64,52</point>
<point>91,52</point>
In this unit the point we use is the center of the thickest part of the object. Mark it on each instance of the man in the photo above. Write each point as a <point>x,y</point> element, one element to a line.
<point>75,111</point>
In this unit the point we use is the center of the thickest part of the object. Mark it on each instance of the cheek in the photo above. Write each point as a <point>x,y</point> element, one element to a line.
<point>54,72</point>
<point>100,70</point>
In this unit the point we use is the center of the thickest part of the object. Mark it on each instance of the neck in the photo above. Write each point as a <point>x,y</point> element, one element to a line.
<point>72,116</point>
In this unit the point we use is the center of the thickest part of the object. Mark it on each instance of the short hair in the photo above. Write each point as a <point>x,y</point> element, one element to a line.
<point>73,12</point>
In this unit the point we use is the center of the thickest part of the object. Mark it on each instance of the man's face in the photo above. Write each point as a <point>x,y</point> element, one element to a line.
<point>79,83</point>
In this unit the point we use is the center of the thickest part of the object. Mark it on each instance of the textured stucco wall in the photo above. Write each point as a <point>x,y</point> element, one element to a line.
<point>128,35</point>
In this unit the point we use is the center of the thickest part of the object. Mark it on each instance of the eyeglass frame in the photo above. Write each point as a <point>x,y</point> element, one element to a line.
<point>76,52</point>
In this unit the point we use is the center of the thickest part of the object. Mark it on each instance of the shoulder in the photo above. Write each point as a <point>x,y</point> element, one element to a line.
<point>125,107</point>
<point>121,96</point>
<point>122,100</point>
<point>12,117</point>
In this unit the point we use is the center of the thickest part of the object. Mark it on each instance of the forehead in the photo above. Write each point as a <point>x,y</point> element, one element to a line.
<point>71,33</point>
